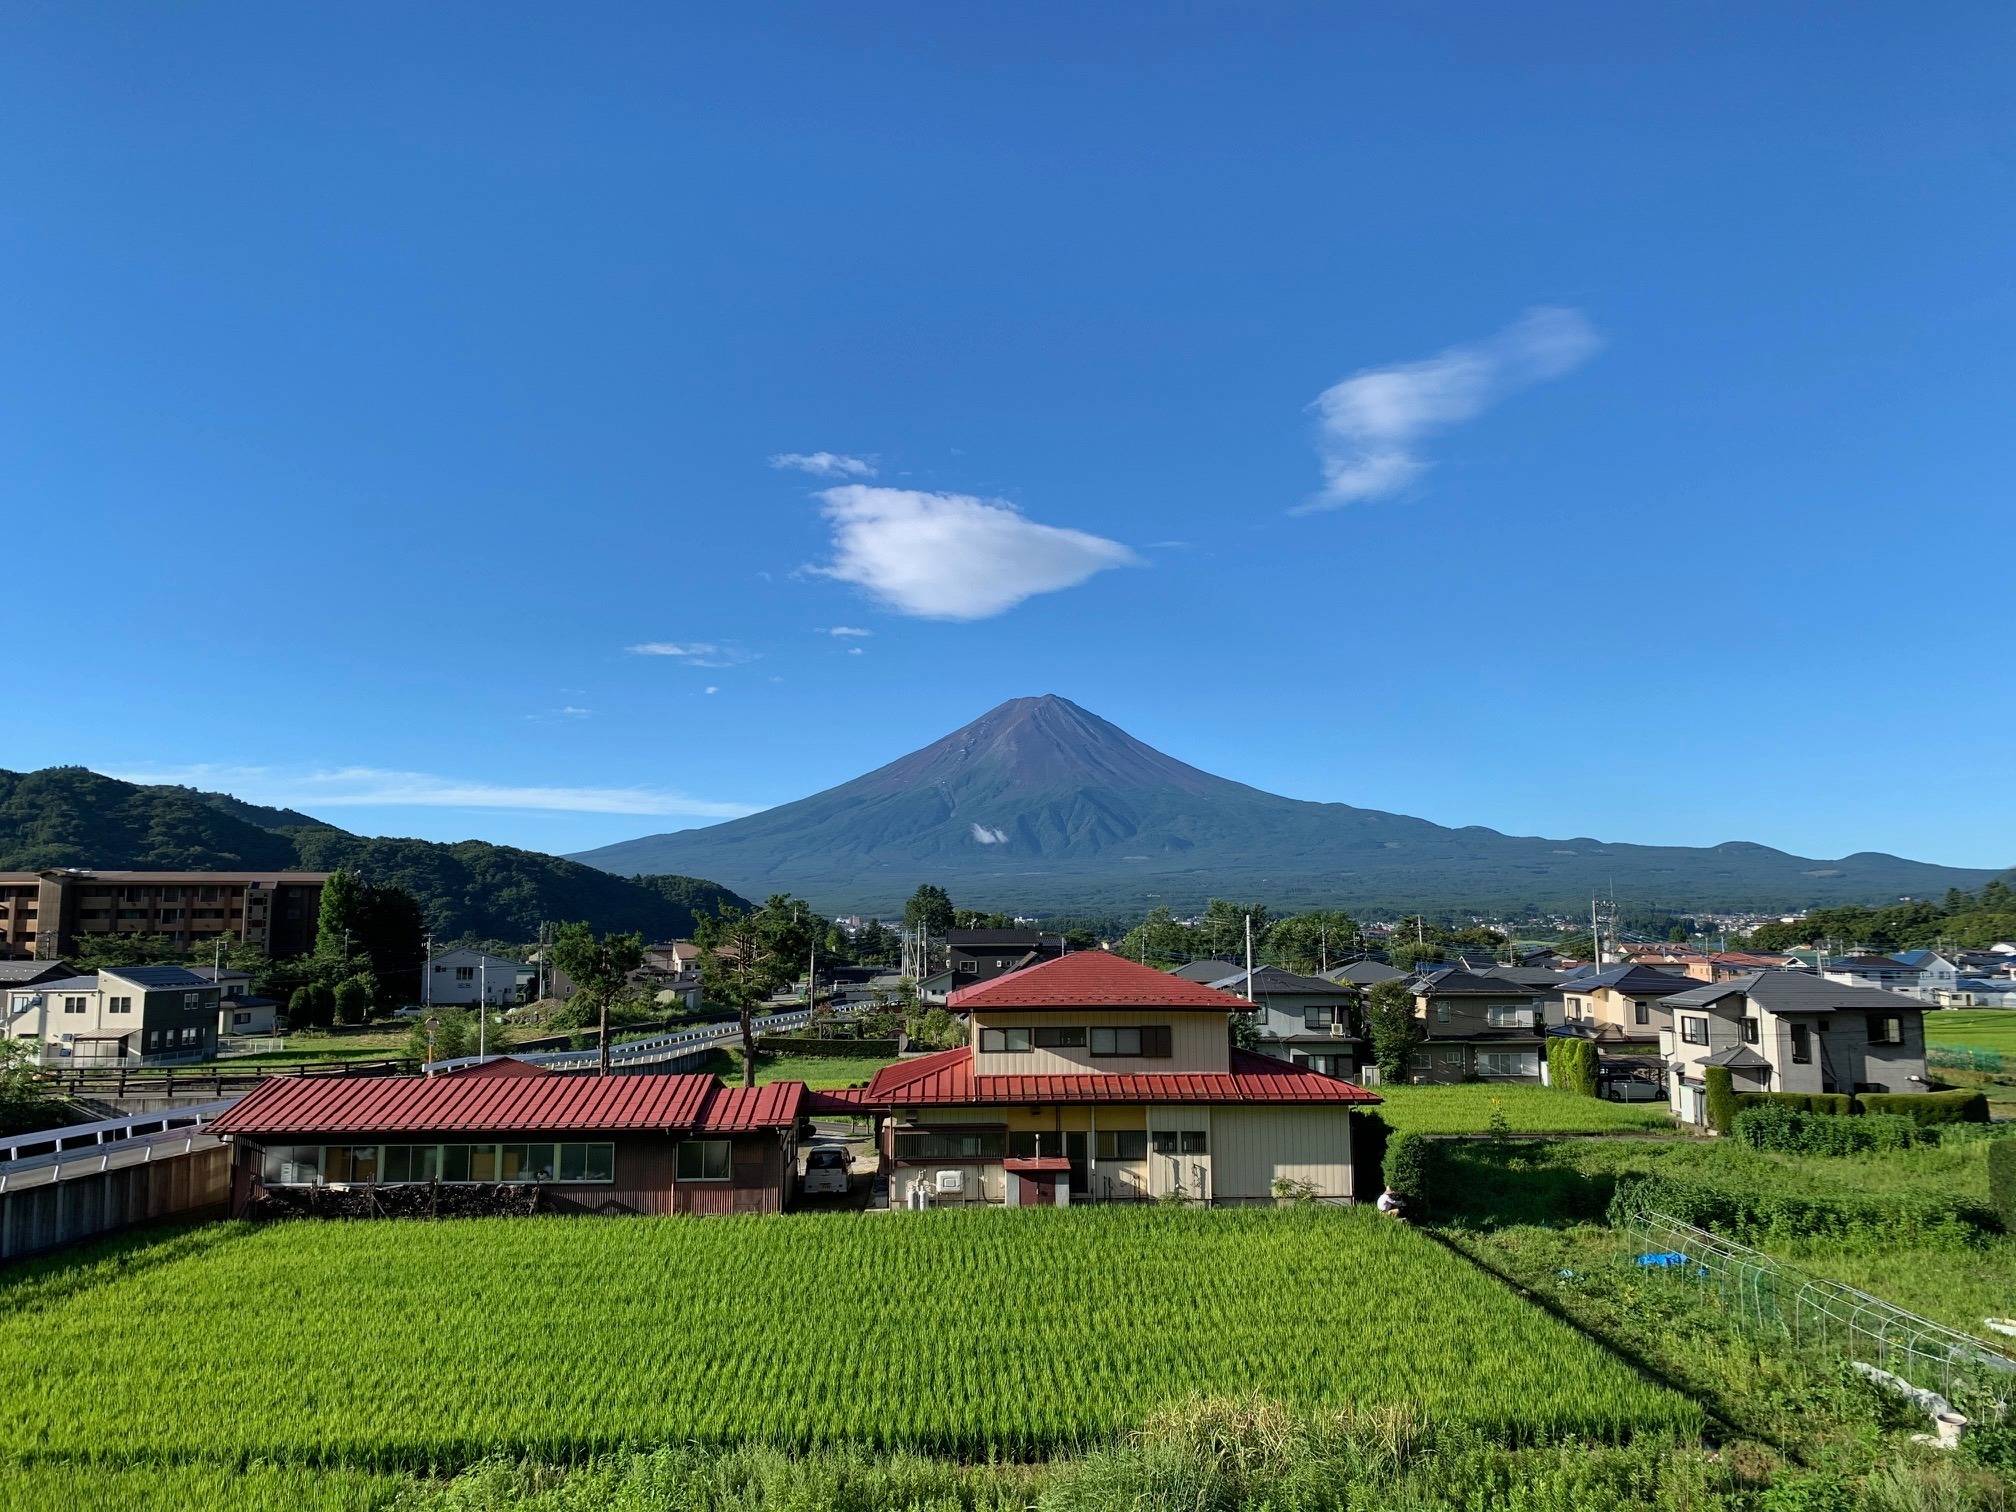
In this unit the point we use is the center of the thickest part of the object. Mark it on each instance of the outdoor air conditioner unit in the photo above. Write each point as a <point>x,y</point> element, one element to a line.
<point>1337,1030</point>
<point>952,1182</point>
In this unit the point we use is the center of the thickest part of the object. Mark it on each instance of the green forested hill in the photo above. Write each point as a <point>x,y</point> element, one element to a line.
<point>72,817</point>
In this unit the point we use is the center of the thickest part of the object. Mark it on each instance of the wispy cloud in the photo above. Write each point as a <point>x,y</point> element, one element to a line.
<point>566,711</point>
<point>695,653</point>
<point>825,464</point>
<point>848,630</point>
<point>951,556</point>
<point>374,787</point>
<point>988,836</point>
<point>1370,425</point>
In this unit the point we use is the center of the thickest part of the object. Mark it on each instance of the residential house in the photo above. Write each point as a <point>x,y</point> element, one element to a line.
<point>617,1144</point>
<point>27,972</point>
<point>1206,972</point>
<point>1619,1007</point>
<point>1090,1077</point>
<point>1303,1020</point>
<point>1791,1031</point>
<point>464,977</point>
<point>1882,971</point>
<point>1938,973</point>
<point>1720,966</point>
<point>1364,975</point>
<point>1477,1027</point>
<point>980,955</point>
<point>132,1015</point>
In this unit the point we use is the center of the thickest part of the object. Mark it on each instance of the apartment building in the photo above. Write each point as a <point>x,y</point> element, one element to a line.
<point>44,914</point>
<point>1091,1078</point>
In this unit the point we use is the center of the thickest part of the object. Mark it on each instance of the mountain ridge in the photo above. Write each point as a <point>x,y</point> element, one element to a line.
<point>74,817</point>
<point>1041,803</point>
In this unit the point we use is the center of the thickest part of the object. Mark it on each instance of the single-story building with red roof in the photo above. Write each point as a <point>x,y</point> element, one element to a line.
<point>600,1144</point>
<point>1093,1078</point>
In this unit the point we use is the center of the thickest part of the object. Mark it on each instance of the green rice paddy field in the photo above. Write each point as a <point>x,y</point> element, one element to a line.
<point>1974,1029</point>
<point>399,1346</point>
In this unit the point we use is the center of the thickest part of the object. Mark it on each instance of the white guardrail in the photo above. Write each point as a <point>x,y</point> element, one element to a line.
<point>660,1047</point>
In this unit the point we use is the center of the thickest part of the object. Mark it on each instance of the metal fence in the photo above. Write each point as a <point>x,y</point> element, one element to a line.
<point>1770,1297</point>
<point>1962,1058</point>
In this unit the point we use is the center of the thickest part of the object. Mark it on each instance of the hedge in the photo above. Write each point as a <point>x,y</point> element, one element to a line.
<point>1838,1104</point>
<point>1571,1065</point>
<point>1409,1162</point>
<point>1722,1103</point>
<point>2002,1181</point>
<point>859,1049</point>
<point>1774,1126</point>
<point>1929,1107</point>
<point>1749,1210</point>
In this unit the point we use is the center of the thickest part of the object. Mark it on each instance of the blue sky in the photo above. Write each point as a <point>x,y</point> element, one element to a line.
<point>1572,419</point>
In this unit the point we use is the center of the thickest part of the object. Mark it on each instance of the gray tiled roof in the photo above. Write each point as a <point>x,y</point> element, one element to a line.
<point>1794,992</point>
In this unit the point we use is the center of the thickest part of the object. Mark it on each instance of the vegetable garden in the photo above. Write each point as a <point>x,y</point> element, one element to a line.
<point>413,1345</point>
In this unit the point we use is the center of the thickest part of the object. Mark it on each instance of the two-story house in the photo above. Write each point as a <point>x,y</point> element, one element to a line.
<point>1882,971</point>
<point>465,977</point>
<point>1938,973</point>
<point>132,1015</point>
<point>1791,1031</point>
<point>1479,1027</point>
<point>1619,1008</point>
<point>973,956</point>
<point>1094,1078</point>
<point>1303,1020</point>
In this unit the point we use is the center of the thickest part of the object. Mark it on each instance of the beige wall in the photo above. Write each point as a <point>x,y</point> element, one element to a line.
<point>1252,1148</point>
<point>1198,1042</point>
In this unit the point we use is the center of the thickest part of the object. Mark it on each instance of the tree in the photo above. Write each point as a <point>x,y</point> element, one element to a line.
<point>1159,940</point>
<point>598,968</point>
<point>25,1100</point>
<point>931,909</point>
<point>1312,942</point>
<point>352,999</point>
<point>1677,935</point>
<point>739,969</point>
<point>1222,930</point>
<point>1406,955</point>
<point>1392,1027</point>
<point>342,914</point>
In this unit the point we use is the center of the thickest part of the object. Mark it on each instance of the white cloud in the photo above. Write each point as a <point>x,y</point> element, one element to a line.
<point>359,787</point>
<point>951,556</point>
<point>825,464</point>
<point>988,836</point>
<point>848,630</point>
<point>856,651</point>
<point>695,653</point>
<point>577,713</point>
<point>713,690</point>
<point>1369,425</point>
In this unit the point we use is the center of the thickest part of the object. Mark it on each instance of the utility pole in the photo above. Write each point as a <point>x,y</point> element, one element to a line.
<point>427,980</point>
<point>1249,958</point>
<point>1326,949</point>
<point>482,1004</point>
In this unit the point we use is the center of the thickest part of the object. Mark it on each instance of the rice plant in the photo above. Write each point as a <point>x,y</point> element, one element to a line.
<point>414,1346</point>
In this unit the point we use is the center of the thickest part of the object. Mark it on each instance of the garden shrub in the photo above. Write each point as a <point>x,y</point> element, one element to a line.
<point>1959,1106</point>
<point>1773,1126</point>
<point>1721,1098</point>
<point>1748,1208</point>
<point>2002,1181</point>
<point>1836,1104</point>
<point>1409,1166</point>
<point>1571,1065</point>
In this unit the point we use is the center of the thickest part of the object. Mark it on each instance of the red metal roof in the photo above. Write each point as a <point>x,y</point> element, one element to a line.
<point>466,1104</point>
<point>741,1110</point>
<point>1036,1163</point>
<point>947,1079</point>
<point>1092,979</point>
<point>503,1065</point>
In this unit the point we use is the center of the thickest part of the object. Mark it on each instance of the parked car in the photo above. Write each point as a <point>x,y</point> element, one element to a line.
<point>827,1172</point>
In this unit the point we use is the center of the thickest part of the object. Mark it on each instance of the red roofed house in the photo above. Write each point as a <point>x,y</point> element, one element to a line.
<point>606,1144</point>
<point>1092,1078</point>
